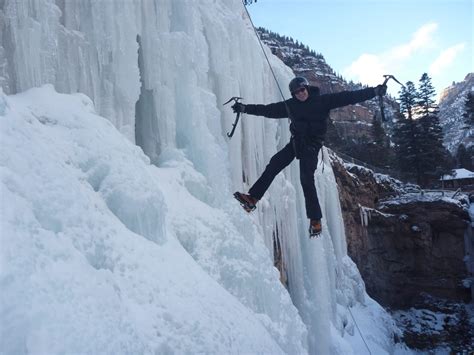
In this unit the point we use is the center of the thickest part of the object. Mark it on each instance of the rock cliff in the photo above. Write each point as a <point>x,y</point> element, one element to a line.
<point>404,243</point>
<point>451,109</point>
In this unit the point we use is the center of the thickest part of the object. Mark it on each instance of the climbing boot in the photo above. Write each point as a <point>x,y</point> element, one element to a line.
<point>315,228</point>
<point>246,201</point>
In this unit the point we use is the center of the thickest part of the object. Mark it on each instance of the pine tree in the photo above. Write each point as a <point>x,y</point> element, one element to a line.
<point>433,156</point>
<point>408,100</point>
<point>406,133</point>
<point>426,93</point>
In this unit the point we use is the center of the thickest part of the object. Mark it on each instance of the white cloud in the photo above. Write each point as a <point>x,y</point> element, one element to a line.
<point>422,38</point>
<point>369,68</point>
<point>446,58</point>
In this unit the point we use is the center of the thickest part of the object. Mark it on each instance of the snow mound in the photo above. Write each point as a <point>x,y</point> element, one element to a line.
<point>90,256</point>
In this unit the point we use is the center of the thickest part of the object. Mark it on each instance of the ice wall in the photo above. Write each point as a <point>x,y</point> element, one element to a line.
<point>160,71</point>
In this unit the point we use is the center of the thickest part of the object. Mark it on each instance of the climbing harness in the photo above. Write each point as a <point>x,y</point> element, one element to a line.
<point>236,100</point>
<point>381,103</point>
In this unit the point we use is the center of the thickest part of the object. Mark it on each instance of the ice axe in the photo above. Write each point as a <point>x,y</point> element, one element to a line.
<point>234,125</point>
<point>381,103</point>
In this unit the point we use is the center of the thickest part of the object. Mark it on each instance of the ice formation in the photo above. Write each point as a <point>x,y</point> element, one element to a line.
<point>141,248</point>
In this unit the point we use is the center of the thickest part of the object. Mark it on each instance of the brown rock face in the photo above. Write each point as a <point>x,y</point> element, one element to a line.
<point>403,247</point>
<point>416,247</point>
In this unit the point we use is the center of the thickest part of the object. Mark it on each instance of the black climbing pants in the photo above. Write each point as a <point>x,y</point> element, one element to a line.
<point>307,168</point>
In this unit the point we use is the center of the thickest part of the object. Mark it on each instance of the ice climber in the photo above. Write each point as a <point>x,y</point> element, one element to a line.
<point>309,112</point>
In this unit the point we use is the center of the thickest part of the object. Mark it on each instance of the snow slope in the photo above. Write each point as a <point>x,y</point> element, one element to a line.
<point>88,251</point>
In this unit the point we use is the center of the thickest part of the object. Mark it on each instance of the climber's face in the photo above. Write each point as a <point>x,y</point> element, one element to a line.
<point>301,94</point>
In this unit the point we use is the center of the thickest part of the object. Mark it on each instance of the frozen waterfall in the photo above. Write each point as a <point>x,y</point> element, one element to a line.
<point>149,252</point>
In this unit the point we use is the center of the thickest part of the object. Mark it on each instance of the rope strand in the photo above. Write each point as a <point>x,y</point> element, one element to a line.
<point>263,50</point>
<point>268,61</point>
<point>359,330</point>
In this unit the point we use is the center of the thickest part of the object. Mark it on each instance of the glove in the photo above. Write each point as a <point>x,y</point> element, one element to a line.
<point>238,107</point>
<point>380,90</point>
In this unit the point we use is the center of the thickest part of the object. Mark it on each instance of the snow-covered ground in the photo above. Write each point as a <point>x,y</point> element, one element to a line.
<point>437,326</point>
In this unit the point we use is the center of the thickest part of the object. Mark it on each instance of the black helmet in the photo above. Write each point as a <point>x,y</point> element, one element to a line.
<point>298,83</point>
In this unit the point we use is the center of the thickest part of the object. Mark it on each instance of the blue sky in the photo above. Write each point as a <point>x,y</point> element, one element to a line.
<point>363,39</point>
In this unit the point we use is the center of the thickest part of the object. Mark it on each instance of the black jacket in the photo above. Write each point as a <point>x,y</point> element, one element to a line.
<point>309,118</point>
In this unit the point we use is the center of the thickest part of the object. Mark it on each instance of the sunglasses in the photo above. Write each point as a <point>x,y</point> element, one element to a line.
<point>299,91</point>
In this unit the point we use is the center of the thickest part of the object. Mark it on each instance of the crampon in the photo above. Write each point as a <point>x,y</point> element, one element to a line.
<point>315,228</point>
<point>247,202</point>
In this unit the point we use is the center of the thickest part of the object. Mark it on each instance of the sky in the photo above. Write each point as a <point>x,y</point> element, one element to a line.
<point>364,39</point>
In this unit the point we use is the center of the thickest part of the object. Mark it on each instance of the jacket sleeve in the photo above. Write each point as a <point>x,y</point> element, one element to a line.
<point>275,110</point>
<point>345,98</point>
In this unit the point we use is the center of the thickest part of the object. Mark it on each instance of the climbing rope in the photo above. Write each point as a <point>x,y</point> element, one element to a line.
<point>359,331</point>
<point>268,61</point>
